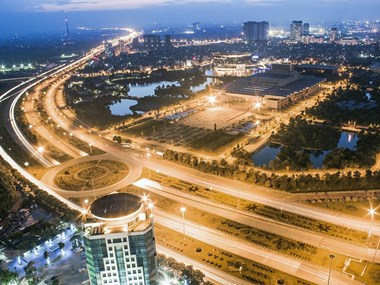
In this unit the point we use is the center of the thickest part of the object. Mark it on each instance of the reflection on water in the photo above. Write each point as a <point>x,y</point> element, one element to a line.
<point>202,86</point>
<point>122,107</point>
<point>269,152</point>
<point>266,154</point>
<point>147,89</point>
<point>348,140</point>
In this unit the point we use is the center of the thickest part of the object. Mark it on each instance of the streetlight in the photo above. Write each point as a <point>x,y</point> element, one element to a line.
<point>40,149</point>
<point>377,247</point>
<point>258,105</point>
<point>150,207</point>
<point>148,156</point>
<point>332,256</point>
<point>183,210</point>
<point>211,99</point>
<point>90,145</point>
<point>238,188</point>
<point>144,198</point>
<point>372,213</point>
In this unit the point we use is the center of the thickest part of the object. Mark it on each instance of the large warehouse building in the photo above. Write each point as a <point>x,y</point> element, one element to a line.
<point>275,89</point>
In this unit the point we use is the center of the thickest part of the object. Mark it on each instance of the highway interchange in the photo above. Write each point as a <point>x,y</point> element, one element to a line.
<point>137,159</point>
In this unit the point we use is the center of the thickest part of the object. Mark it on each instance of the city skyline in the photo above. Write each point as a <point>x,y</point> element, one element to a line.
<point>41,16</point>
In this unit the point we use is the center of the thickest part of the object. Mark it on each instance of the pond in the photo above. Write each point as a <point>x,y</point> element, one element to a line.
<point>147,89</point>
<point>269,152</point>
<point>202,86</point>
<point>122,107</point>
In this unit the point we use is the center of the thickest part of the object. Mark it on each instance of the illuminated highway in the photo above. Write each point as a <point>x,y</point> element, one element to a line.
<point>305,270</point>
<point>212,273</point>
<point>137,159</point>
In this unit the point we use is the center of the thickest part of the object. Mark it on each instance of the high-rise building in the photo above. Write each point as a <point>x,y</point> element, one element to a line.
<point>119,242</point>
<point>306,29</point>
<point>152,42</point>
<point>168,41</point>
<point>67,39</point>
<point>333,35</point>
<point>121,46</point>
<point>108,49</point>
<point>256,31</point>
<point>67,25</point>
<point>296,31</point>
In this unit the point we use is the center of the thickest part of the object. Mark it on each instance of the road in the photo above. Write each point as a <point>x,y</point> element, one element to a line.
<point>301,269</point>
<point>282,198</point>
<point>253,193</point>
<point>137,159</point>
<point>215,275</point>
<point>259,222</point>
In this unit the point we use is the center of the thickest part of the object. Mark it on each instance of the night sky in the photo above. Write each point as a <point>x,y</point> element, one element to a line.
<point>40,16</point>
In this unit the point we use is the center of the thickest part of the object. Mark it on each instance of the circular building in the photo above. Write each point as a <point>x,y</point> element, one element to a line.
<point>116,206</point>
<point>119,241</point>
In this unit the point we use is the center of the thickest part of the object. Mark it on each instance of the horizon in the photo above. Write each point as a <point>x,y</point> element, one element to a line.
<point>43,16</point>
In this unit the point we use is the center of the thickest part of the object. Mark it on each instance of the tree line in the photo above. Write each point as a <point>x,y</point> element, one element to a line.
<point>350,180</point>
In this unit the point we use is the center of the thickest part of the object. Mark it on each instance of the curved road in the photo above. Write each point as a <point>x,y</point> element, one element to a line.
<point>136,159</point>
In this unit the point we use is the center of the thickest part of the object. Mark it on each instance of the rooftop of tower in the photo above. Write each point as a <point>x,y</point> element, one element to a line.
<point>115,206</point>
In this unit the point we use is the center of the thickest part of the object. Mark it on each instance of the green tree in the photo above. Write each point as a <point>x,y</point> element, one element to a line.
<point>8,277</point>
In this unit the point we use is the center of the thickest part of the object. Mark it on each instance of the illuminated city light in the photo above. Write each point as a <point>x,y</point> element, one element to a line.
<point>211,99</point>
<point>41,149</point>
<point>258,105</point>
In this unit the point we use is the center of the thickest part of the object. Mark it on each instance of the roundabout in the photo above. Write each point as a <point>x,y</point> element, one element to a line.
<point>91,174</point>
<point>88,176</point>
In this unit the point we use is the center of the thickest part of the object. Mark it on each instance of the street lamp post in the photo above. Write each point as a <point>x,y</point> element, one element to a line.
<point>151,207</point>
<point>377,247</point>
<point>90,145</point>
<point>238,186</point>
<point>148,155</point>
<point>183,210</point>
<point>332,256</point>
<point>372,213</point>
